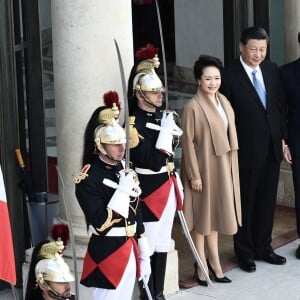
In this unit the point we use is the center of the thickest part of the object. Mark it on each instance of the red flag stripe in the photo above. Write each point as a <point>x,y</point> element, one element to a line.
<point>7,258</point>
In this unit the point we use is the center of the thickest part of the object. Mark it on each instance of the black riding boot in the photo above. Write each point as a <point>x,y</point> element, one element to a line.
<point>158,265</point>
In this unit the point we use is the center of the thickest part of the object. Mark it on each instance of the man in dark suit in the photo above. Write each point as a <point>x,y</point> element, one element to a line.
<point>290,74</point>
<point>257,100</point>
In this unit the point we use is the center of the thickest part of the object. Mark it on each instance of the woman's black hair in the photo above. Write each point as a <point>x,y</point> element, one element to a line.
<point>206,61</point>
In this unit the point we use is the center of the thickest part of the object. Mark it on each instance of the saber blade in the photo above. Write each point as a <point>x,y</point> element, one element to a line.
<point>147,290</point>
<point>192,246</point>
<point>127,155</point>
<point>127,158</point>
<point>163,54</point>
<point>69,219</point>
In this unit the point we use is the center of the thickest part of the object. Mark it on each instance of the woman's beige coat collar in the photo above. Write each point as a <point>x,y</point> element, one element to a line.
<point>222,139</point>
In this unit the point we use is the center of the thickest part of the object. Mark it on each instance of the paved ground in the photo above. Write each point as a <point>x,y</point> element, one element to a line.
<point>269,282</point>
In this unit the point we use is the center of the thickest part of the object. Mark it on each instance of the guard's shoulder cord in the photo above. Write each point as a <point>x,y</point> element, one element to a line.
<point>83,174</point>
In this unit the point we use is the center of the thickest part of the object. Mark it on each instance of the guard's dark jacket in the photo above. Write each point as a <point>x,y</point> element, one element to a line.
<point>145,156</point>
<point>106,256</point>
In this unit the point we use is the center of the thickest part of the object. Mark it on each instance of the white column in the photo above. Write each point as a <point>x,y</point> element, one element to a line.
<point>292,27</point>
<point>85,67</point>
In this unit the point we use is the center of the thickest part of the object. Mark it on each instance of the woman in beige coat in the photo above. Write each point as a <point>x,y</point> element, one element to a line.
<point>209,167</point>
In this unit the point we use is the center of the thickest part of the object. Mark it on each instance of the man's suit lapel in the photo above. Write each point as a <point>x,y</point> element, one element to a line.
<point>297,71</point>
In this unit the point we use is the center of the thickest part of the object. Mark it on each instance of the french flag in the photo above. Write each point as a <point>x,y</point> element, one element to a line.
<point>7,257</point>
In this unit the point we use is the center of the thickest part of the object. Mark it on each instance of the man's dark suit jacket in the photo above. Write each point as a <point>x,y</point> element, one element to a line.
<point>290,74</point>
<point>257,127</point>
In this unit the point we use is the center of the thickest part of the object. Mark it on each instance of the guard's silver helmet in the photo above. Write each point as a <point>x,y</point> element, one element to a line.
<point>109,134</point>
<point>51,266</point>
<point>146,79</point>
<point>147,82</point>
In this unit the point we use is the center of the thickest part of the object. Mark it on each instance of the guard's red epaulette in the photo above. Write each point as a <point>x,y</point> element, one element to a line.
<point>83,174</point>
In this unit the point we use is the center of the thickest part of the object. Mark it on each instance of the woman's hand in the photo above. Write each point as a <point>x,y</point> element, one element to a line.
<point>196,185</point>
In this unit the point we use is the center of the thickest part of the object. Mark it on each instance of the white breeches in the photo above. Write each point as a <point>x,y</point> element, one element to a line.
<point>125,288</point>
<point>159,233</point>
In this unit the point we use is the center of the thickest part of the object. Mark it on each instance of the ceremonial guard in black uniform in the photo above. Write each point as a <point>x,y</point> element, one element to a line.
<point>153,162</point>
<point>118,250</point>
<point>49,276</point>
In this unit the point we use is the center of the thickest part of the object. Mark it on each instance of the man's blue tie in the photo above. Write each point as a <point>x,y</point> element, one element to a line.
<point>259,89</point>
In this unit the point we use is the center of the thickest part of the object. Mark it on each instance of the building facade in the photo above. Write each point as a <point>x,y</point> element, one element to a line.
<point>57,58</point>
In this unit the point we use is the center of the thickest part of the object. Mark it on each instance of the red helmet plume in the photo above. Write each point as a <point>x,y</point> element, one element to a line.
<point>60,231</point>
<point>147,52</point>
<point>110,98</point>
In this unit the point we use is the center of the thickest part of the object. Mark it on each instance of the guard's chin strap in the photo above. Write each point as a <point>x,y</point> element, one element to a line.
<point>147,100</point>
<point>108,155</point>
<point>52,293</point>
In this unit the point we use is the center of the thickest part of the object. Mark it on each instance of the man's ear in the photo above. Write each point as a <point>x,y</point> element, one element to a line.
<point>241,47</point>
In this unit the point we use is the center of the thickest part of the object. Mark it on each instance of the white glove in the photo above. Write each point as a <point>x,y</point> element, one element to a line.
<point>168,123</point>
<point>144,259</point>
<point>128,187</point>
<point>168,129</point>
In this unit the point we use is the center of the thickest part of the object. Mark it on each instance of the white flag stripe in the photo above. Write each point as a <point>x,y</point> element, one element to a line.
<point>2,189</point>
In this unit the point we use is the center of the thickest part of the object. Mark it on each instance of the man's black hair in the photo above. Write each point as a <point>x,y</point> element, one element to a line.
<point>253,33</point>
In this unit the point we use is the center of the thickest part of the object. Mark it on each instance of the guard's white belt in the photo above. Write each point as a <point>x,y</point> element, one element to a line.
<point>150,172</point>
<point>118,231</point>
